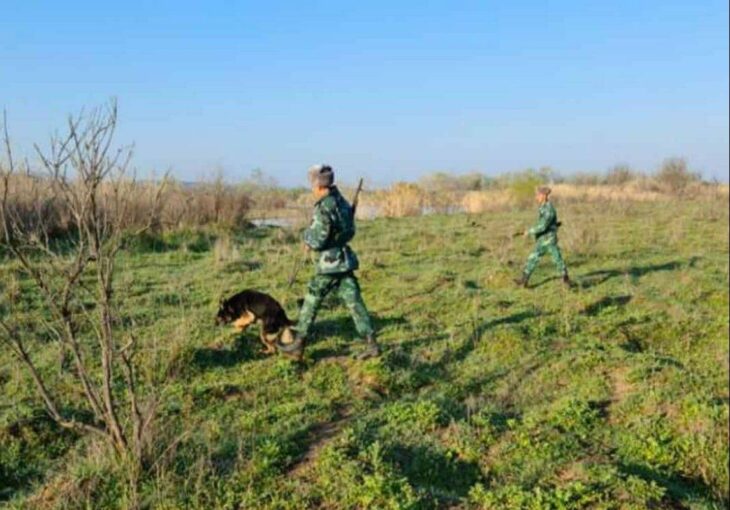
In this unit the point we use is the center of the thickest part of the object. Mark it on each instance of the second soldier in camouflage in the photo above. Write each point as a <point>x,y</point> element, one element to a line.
<point>332,228</point>
<point>545,233</point>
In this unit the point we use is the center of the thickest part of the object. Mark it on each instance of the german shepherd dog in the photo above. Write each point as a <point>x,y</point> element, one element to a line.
<point>250,306</point>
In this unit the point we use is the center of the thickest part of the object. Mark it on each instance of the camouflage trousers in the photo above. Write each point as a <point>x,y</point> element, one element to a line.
<point>348,289</point>
<point>545,244</point>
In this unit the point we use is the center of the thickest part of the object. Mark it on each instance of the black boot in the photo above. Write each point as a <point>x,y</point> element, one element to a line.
<point>295,349</point>
<point>566,281</point>
<point>371,349</point>
<point>522,281</point>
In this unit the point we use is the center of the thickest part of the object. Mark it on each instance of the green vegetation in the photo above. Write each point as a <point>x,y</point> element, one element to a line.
<point>613,395</point>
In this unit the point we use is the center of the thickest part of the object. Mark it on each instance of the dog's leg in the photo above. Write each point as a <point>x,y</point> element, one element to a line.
<point>269,345</point>
<point>244,321</point>
<point>271,338</point>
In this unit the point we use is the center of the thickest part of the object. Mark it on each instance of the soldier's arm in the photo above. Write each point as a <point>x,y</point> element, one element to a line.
<point>319,231</point>
<point>543,222</point>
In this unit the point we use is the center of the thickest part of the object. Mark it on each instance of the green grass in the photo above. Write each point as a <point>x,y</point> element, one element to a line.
<point>612,395</point>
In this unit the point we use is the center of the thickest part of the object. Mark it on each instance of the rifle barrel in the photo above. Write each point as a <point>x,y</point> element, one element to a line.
<point>356,197</point>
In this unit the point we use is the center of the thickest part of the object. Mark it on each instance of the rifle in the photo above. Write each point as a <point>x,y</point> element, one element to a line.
<point>297,265</point>
<point>300,260</point>
<point>558,224</point>
<point>356,197</point>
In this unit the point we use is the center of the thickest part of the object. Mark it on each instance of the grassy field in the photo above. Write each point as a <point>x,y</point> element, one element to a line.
<point>612,395</point>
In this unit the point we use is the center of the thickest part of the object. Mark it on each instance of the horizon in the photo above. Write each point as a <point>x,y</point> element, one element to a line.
<point>387,92</point>
<point>556,177</point>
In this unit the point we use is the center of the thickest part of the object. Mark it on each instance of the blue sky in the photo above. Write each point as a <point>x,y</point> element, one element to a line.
<point>388,90</point>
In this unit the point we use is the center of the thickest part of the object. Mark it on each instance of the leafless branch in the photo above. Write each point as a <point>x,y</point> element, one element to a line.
<point>89,181</point>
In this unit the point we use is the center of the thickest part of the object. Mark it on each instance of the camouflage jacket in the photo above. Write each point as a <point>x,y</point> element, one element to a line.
<point>547,221</point>
<point>332,227</point>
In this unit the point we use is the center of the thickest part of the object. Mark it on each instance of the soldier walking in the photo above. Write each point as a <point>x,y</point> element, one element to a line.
<point>332,228</point>
<point>545,233</point>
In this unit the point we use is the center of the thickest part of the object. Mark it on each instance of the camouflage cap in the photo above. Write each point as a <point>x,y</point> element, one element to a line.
<point>544,190</point>
<point>321,175</point>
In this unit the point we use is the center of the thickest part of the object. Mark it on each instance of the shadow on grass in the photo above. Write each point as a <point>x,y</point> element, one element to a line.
<point>461,352</point>
<point>573,264</point>
<point>595,278</point>
<point>343,326</point>
<point>338,351</point>
<point>605,302</point>
<point>679,489</point>
<point>632,344</point>
<point>445,478</point>
<point>663,361</point>
<point>248,347</point>
<point>243,266</point>
<point>515,318</point>
<point>243,349</point>
<point>471,285</point>
<point>426,372</point>
<point>465,388</point>
<point>29,448</point>
<point>310,440</point>
<point>544,282</point>
<point>507,400</point>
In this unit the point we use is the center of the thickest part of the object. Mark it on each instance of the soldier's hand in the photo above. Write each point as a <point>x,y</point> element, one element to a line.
<point>306,248</point>
<point>526,235</point>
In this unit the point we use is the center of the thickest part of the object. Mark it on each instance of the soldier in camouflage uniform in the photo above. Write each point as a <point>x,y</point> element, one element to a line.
<point>332,227</point>
<point>546,239</point>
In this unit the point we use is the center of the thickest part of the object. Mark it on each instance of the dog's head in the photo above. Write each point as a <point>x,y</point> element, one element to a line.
<point>226,313</point>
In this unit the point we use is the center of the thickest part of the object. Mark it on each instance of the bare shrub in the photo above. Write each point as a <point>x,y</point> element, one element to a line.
<point>87,184</point>
<point>442,202</point>
<point>620,175</point>
<point>31,200</point>
<point>522,186</point>
<point>33,196</point>
<point>634,191</point>
<point>445,181</point>
<point>444,192</point>
<point>401,199</point>
<point>487,201</point>
<point>194,205</point>
<point>268,200</point>
<point>181,206</point>
<point>674,175</point>
<point>585,179</point>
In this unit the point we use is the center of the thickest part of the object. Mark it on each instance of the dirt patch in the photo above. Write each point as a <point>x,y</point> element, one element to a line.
<point>318,438</point>
<point>621,389</point>
<point>576,470</point>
